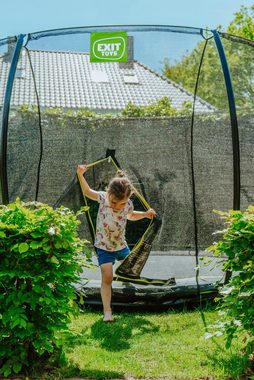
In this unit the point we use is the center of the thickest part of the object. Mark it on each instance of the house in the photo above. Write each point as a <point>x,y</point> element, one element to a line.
<point>70,81</point>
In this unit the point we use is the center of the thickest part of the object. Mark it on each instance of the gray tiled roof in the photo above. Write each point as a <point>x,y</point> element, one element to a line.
<point>66,79</point>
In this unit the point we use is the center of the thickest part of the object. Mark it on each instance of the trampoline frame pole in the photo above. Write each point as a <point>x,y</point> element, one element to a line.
<point>234,129</point>
<point>5,119</point>
<point>233,118</point>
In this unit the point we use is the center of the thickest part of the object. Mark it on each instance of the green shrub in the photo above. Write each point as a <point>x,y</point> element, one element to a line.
<point>158,108</point>
<point>40,259</point>
<point>161,107</point>
<point>237,297</point>
<point>132,110</point>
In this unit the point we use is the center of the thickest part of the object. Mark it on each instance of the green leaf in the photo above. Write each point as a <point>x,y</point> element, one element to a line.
<point>36,234</point>
<point>23,323</point>
<point>17,367</point>
<point>37,288</point>
<point>54,260</point>
<point>6,370</point>
<point>35,244</point>
<point>23,247</point>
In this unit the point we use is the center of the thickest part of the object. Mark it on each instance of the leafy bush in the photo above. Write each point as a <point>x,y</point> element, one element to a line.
<point>161,107</point>
<point>237,297</point>
<point>40,259</point>
<point>132,110</point>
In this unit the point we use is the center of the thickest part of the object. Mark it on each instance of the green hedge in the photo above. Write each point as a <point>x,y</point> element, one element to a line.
<point>237,297</point>
<point>40,259</point>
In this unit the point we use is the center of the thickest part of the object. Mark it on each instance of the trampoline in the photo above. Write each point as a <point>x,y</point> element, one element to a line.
<point>176,110</point>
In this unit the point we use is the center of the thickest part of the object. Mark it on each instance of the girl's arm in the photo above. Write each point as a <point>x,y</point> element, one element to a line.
<point>137,215</point>
<point>89,193</point>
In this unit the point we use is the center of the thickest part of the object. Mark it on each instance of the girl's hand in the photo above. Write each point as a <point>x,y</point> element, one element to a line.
<point>150,213</point>
<point>81,169</point>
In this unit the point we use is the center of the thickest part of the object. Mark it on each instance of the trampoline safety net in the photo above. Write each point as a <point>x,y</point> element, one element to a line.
<point>166,113</point>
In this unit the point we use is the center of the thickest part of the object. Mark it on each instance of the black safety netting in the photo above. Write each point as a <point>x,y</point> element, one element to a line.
<point>66,111</point>
<point>6,52</point>
<point>240,54</point>
<point>212,149</point>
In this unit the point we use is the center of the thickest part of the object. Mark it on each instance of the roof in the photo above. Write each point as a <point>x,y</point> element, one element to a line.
<point>70,80</point>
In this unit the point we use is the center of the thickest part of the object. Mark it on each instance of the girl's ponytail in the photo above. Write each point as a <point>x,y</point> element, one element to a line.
<point>120,186</point>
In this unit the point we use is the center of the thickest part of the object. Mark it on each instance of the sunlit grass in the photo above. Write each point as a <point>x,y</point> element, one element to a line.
<point>167,345</point>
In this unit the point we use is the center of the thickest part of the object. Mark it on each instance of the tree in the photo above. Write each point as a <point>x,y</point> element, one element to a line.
<point>211,85</point>
<point>243,24</point>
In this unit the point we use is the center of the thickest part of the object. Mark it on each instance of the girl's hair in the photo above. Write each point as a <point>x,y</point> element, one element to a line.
<point>120,186</point>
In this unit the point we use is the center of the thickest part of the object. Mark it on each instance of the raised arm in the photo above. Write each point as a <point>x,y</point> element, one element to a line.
<point>137,215</point>
<point>86,190</point>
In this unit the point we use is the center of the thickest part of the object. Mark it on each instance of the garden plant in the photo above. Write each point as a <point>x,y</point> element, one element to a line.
<point>236,303</point>
<point>40,259</point>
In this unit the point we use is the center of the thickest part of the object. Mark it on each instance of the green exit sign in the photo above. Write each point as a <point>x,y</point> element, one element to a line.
<point>108,47</point>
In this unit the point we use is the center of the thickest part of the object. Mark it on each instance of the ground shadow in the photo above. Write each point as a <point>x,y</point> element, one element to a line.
<point>235,366</point>
<point>113,336</point>
<point>116,336</point>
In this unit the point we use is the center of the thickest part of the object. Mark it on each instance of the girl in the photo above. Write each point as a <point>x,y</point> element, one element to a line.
<point>115,207</point>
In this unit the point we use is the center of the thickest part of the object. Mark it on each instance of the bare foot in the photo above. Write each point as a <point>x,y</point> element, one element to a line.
<point>108,317</point>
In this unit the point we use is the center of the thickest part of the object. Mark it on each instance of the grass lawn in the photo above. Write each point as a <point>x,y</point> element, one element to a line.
<point>148,345</point>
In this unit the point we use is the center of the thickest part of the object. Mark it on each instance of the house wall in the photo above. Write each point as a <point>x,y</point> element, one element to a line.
<point>154,151</point>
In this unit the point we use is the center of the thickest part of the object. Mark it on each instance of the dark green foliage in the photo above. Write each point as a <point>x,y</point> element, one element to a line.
<point>40,259</point>
<point>237,301</point>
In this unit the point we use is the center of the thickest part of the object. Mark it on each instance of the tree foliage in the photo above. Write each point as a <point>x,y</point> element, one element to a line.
<point>243,23</point>
<point>211,85</point>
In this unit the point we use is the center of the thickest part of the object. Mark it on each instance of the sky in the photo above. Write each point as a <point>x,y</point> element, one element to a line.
<point>26,16</point>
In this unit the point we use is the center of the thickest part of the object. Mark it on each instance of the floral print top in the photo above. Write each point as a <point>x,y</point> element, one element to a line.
<point>110,225</point>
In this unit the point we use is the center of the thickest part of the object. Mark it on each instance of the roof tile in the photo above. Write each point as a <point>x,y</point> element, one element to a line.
<point>64,80</point>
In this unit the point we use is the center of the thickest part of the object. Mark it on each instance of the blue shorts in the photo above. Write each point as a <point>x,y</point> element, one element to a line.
<point>110,257</point>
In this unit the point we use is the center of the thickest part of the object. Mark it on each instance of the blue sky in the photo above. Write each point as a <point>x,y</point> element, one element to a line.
<point>33,15</point>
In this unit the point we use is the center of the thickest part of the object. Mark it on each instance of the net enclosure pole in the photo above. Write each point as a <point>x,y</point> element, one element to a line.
<point>233,118</point>
<point>5,119</point>
<point>234,129</point>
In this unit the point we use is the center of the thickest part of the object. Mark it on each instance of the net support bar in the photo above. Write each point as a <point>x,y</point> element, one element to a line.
<point>5,120</point>
<point>234,122</point>
<point>234,128</point>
